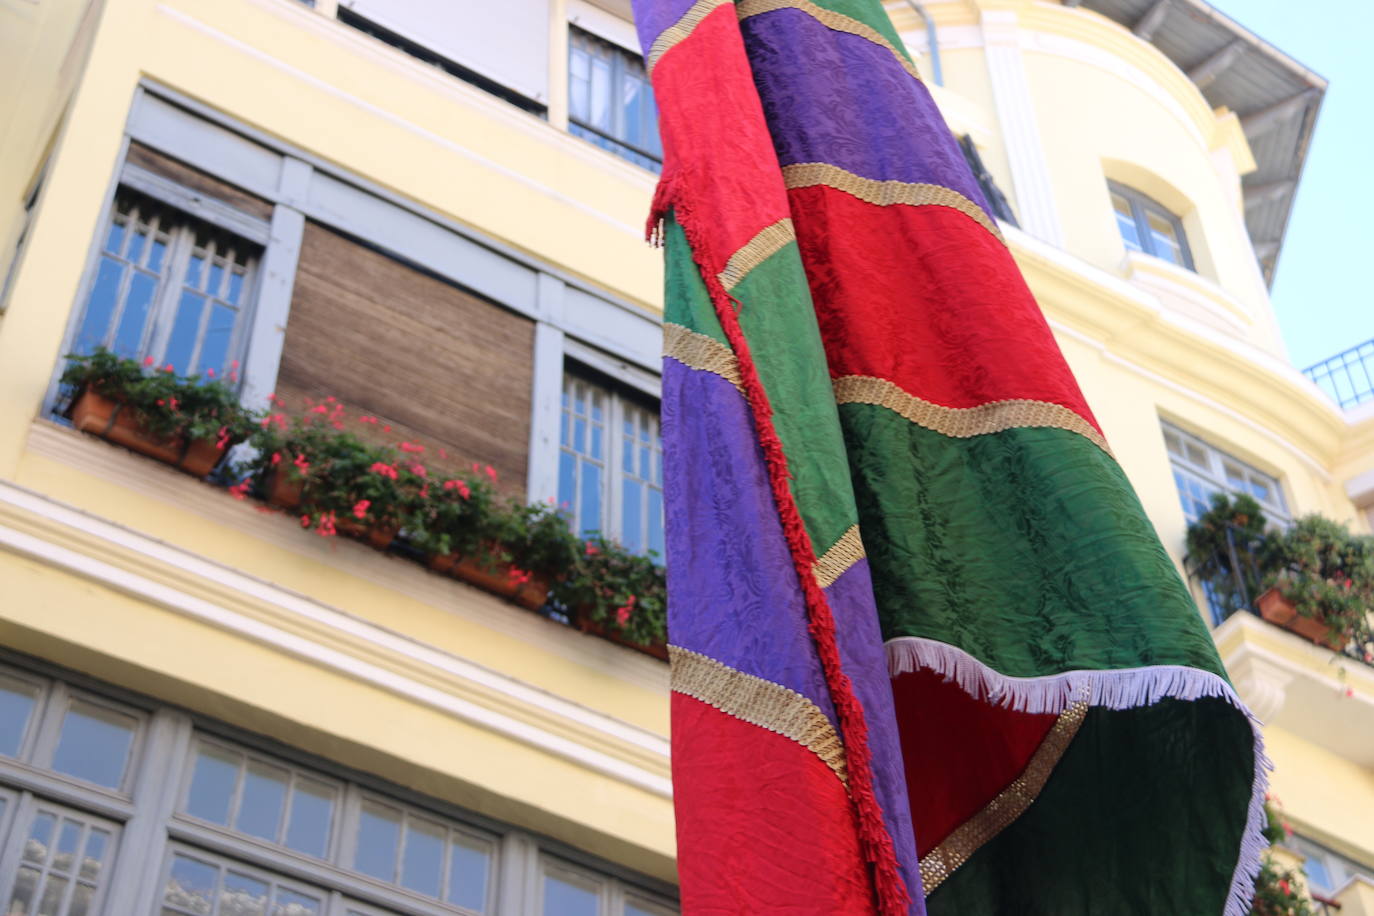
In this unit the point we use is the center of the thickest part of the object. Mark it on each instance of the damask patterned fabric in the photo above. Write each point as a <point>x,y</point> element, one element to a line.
<point>931,655</point>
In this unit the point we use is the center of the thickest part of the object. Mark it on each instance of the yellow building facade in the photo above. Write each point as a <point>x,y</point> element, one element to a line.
<point>214,706</point>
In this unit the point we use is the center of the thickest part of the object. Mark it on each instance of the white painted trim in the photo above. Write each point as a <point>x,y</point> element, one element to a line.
<point>192,203</point>
<point>1030,171</point>
<point>481,679</point>
<point>604,24</point>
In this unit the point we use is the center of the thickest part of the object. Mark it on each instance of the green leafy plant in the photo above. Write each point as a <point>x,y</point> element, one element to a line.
<point>1277,889</point>
<point>1227,547</point>
<point>1327,573</point>
<point>620,591</point>
<point>167,404</point>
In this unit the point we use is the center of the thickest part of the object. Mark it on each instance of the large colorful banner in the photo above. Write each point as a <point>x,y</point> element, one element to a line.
<point>927,650</point>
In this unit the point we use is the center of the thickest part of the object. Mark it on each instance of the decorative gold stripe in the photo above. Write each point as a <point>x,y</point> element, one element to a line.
<point>680,30</point>
<point>756,701</point>
<point>831,20</point>
<point>698,351</point>
<point>964,422</point>
<point>844,553</point>
<point>886,193</point>
<point>1010,803</point>
<point>757,250</point>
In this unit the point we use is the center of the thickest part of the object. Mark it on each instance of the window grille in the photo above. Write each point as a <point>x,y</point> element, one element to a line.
<point>169,288</point>
<point>610,102</point>
<point>610,473</point>
<point>1148,227</point>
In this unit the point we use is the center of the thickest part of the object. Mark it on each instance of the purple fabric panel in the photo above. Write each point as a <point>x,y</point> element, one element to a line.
<point>653,16</point>
<point>841,99</point>
<point>865,661</point>
<point>732,592</point>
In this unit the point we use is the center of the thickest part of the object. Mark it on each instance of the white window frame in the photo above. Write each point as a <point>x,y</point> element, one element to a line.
<point>612,493</point>
<point>1213,475</point>
<point>1340,868</point>
<point>1141,206</point>
<point>612,894</point>
<point>599,30</point>
<point>22,810</point>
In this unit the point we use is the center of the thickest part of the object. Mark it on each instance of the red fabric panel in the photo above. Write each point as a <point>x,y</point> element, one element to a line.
<point>959,752</point>
<point>716,118</point>
<point>925,297</point>
<point>783,838</point>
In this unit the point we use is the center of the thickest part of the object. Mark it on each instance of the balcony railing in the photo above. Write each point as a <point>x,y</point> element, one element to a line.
<point>1348,377</point>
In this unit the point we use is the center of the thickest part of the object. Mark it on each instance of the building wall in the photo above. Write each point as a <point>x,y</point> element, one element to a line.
<point>403,206</point>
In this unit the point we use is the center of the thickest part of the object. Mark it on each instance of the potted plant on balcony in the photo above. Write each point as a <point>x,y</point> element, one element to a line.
<point>618,595</point>
<point>1226,550</point>
<point>188,422</point>
<point>1321,584</point>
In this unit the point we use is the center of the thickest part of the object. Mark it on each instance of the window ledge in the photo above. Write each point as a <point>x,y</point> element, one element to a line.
<point>1185,291</point>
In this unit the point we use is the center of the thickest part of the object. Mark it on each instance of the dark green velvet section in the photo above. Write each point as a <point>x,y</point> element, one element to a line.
<point>1142,817</point>
<point>1026,548</point>
<point>776,313</point>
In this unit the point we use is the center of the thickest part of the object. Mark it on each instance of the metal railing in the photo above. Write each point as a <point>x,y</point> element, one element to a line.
<point>1347,377</point>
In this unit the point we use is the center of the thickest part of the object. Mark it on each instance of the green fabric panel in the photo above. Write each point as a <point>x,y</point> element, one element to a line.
<point>870,13</point>
<point>686,301</point>
<point>776,313</point>
<point>1143,816</point>
<point>778,318</point>
<point>1026,548</point>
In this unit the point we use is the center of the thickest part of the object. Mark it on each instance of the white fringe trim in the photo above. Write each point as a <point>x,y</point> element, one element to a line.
<point>1122,688</point>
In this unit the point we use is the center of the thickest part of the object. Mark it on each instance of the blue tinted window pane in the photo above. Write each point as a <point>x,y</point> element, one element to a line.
<point>580,435</point>
<point>194,270</point>
<point>579,89</point>
<point>136,243</point>
<point>656,522</point>
<point>467,876</point>
<point>562,898</point>
<point>212,784</point>
<point>591,498</point>
<point>290,903</point>
<point>95,744</point>
<point>16,706</point>
<point>100,306</point>
<point>214,351</point>
<point>191,885</point>
<point>264,797</point>
<point>39,843</point>
<point>243,896</point>
<point>216,284</point>
<point>129,339</point>
<point>567,480</point>
<point>115,240</point>
<point>422,865</point>
<point>312,811</point>
<point>182,346</point>
<point>235,294</point>
<point>632,493</point>
<point>601,114</point>
<point>156,256</point>
<point>379,833</point>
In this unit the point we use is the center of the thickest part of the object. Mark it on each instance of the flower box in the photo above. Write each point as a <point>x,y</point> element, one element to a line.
<point>494,577</point>
<point>1279,611</point>
<point>582,619</point>
<point>281,490</point>
<point>112,421</point>
<point>378,535</point>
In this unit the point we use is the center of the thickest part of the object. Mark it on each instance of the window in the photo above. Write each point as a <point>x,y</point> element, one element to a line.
<point>1147,227</point>
<point>1327,872</point>
<point>610,468</point>
<point>250,833</point>
<point>169,288</point>
<point>1201,470</point>
<point>610,101</point>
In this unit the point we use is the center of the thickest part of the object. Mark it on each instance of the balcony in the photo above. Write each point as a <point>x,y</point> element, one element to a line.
<point>1348,377</point>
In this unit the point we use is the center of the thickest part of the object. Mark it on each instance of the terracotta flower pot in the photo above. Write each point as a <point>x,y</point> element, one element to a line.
<point>442,562</point>
<point>376,535</point>
<point>583,620</point>
<point>496,578</point>
<point>115,422</point>
<point>1279,611</point>
<point>280,489</point>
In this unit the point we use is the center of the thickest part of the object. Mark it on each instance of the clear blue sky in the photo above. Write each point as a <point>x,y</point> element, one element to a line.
<point>1322,290</point>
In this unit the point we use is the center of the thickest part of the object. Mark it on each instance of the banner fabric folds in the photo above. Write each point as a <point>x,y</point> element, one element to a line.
<point>928,654</point>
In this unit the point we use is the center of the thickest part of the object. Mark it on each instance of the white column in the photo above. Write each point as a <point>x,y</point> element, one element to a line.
<point>546,392</point>
<point>558,64</point>
<point>1030,172</point>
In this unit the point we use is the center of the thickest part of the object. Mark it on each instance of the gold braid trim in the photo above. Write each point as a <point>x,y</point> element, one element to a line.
<point>756,701</point>
<point>831,20</point>
<point>886,193</point>
<point>698,351</point>
<point>760,248</point>
<point>964,422</point>
<point>1010,803</point>
<point>680,30</point>
<point>844,553</point>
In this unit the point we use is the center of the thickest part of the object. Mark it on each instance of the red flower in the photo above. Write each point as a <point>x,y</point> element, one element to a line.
<point>326,526</point>
<point>210,373</point>
<point>592,549</point>
<point>276,458</point>
<point>1283,886</point>
<point>491,472</point>
<point>414,447</point>
<point>172,403</point>
<point>518,576</point>
<point>443,455</point>
<point>302,463</point>
<point>622,614</point>
<point>1350,691</point>
<point>360,508</point>
<point>385,470</point>
<point>240,489</point>
<point>147,360</point>
<point>305,521</point>
<point>223,441</point>
<point>387,428</point>
<point>418,469</point>
<point>338,425</point>
<point>168,368</point>
<point>458,485</point>
<point>234,364</point>
<point>160,402</point>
